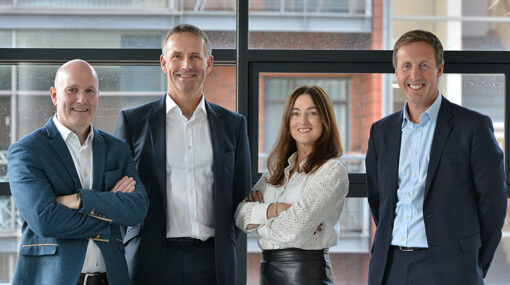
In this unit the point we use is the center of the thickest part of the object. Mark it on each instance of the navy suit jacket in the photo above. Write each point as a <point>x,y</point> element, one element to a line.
<point>465,196</point>
<point>54,237</point>
<point>144,129</point>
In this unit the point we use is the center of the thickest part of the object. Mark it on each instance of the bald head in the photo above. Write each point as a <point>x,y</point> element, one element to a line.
<point>75,95</point>
<point>75,64</point>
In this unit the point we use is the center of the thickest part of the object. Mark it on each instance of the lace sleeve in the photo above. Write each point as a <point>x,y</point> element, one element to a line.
<point>324,189</point>
<point>252,212</point>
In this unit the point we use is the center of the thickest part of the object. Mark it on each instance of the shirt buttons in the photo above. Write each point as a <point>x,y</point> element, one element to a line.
<point>408,194</point>
<point>85,174</point>
<point>407,217</point>
<point>416,152</point>
<point>414,175</point>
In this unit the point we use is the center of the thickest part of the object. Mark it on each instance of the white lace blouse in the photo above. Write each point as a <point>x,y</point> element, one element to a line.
<point>317,199</point>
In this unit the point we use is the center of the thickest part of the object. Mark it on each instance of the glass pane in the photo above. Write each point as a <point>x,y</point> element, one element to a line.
<point>5,78</point>
<point>112,24</point>
<point>484,93</point>
<point>460,25</point>
<point>310,24</point>
<point>120,87</point>
<point>356,101</point>
<point>5,38</point>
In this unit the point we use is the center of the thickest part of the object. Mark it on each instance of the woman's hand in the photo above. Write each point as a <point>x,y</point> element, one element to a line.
<point>255,196</point>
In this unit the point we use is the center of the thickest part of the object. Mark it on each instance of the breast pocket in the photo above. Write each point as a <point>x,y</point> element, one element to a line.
<point>111,177</point>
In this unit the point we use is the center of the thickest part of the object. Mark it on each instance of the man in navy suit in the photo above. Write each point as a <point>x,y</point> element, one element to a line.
<point>194,160</point>
<point>74,186</point>
<point>435,180</point>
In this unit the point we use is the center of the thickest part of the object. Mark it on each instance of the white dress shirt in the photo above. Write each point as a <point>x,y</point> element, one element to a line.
<point>317,199</point>
<point>83,163</point>
<point>189,173</point>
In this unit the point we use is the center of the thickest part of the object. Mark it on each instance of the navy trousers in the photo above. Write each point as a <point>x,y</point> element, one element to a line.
<point>408,268</point>
<point>190,264</point>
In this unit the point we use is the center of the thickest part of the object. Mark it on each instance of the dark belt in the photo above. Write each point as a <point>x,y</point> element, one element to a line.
<point>183,242</point>
<point>408,249</point>
<point>93,279</point>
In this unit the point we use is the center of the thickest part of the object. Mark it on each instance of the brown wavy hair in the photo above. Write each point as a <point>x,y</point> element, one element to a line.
<point>327,146</point>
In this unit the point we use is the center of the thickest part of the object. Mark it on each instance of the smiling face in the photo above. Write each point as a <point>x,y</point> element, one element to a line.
<point>75,95</point>
<point>185,64</point>
<point>417,74</point>
<point>305,123</point>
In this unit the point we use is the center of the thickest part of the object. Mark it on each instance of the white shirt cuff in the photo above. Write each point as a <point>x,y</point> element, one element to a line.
<point>259,213</point>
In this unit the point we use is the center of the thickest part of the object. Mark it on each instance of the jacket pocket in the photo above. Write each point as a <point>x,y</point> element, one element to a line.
<point>38,249</point>
<point>470,243</point>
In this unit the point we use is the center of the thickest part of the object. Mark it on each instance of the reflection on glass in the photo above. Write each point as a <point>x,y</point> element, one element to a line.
<point>460,25</point>
<point>356,101</point>
<point>484,93</point>
<point>312,24</point>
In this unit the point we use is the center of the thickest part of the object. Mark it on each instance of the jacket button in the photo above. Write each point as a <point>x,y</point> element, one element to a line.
<point>92,212</point>
<point>98,236</point>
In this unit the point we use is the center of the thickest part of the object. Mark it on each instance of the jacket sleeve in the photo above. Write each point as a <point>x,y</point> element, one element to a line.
<point>372,177</point>
<point>35,200</point>
<point>242,169</point>
<point>126,209</point>
<point>490,184</point>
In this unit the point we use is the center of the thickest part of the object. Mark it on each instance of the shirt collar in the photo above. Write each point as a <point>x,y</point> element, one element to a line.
<point>170,105</point>
<point>66,133</point>
<point>431,113</point>
<point>292,161</point>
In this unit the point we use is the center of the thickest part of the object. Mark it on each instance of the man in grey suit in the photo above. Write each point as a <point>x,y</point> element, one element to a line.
<point>194,160</point>
<point>435,180</point>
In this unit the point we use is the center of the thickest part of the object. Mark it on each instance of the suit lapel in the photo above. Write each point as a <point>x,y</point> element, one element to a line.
<point>98,154</point>
<point>216,126</point>
<point>62,152</point>
<point>393,136</point>
<point>157,127</point>
<point>441,133</point>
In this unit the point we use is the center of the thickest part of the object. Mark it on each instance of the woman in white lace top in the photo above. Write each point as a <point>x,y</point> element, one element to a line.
<point>295,206</point>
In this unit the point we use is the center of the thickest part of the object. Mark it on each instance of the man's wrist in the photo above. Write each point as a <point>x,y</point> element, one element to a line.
<point>80,200</point>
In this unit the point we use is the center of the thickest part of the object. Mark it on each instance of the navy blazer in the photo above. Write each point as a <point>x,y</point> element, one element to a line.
<point>54,237</point>
<point>465,194</point>
<point>144,129</point>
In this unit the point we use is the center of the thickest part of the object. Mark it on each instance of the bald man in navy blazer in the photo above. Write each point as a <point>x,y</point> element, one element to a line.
<point>74,186</point>
<point>435,179</point>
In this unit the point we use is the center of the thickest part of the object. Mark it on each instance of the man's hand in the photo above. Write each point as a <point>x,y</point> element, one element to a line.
<point>70,201</point>
<point>125,185</point>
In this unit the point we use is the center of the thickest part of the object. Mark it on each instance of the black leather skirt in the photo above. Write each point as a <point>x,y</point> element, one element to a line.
<point>295,266</point>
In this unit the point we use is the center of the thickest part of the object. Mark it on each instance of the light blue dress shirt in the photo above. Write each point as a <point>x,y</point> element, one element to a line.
<point>415,144</point>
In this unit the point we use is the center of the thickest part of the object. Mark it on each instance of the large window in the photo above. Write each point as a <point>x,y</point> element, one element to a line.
<point>282,44</point>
